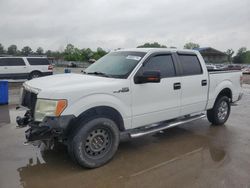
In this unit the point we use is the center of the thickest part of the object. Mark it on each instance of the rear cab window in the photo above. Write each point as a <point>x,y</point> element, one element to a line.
<point>190,64</point>
<point>12,62</point>
<point>38,61</point>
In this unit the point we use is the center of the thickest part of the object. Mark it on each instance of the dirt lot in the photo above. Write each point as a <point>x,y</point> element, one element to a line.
<point>192,155</point>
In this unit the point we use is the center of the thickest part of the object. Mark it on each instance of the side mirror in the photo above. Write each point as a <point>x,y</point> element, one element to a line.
<point>148,77</point>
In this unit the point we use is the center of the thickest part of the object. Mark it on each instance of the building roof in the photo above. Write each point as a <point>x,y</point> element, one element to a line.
<point>211,51</point>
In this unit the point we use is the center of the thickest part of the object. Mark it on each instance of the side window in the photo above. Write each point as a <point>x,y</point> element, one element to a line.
<point>12,62</point>
<point>190,64</point>
<point>38,61</point>
<point>162,63</point>
<point>2,62</point>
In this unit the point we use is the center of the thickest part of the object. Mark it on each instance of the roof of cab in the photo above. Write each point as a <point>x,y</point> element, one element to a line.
<point>152,50</point>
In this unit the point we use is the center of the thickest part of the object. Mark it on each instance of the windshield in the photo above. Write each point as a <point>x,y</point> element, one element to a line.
<point>115,64</point>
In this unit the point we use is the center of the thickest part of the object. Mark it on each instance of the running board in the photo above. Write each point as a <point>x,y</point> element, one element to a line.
<point>162,126</point>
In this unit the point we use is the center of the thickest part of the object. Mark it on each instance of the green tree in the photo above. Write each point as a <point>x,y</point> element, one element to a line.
<point>12,50</point>
<point>191,45</point>
<point>99,53</point>
<point>242,50</point>
<point>246,57</point>
<point>69,49</point>
<point>1,49</point>
<point>229,53</point>
<point>68,52</point>
<point>152,45</point>
<point>87,54</point>
<point>72,53</point>
<point>26,51</point>
<point>57,55</point>
<point>48,53</point>
<point>39,51</point>
<point>241,56</point>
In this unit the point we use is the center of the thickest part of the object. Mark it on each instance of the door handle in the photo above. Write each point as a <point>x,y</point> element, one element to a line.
<point>204,82</point>
<point>177,85</point>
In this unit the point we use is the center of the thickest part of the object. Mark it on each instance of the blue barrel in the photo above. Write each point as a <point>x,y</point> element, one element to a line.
<point>67,71</point>
<point>4,93</point>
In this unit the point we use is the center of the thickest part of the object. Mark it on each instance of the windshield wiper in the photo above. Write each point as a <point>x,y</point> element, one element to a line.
<point>98,73</point>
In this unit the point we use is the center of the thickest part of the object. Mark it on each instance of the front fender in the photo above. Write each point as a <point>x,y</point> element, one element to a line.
<point>101,99</point>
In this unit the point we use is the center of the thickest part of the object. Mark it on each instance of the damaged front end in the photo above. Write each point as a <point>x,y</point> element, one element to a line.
<point>47,131</point>
<point>38,133</point>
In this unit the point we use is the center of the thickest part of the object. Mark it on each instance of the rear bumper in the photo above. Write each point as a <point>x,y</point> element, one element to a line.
<point>238,99</point>
<point>47,73</point>
<point>240,96</point>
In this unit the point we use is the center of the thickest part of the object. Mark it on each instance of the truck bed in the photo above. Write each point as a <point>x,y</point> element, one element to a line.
<point>223,79</point>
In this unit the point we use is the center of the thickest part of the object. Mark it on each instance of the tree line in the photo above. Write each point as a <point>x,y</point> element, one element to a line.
<point>72,53</point>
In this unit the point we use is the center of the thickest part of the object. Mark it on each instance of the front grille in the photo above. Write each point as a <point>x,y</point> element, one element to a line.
<point>29,100</point>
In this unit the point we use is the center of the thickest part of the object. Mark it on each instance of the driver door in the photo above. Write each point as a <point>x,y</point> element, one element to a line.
<point>155,102</point>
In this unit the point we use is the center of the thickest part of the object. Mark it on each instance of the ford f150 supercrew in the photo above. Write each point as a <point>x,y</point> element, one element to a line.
<point>123,95</point>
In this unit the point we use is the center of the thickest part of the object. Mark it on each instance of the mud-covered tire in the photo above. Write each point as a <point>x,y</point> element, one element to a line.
<point>219,114</point>
<point>95,142</point>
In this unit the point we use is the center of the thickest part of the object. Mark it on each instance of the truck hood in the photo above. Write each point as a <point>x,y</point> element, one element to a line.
<point>60,81</point>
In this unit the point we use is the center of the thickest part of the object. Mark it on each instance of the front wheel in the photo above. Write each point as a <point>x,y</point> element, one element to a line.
<point>95,143</point>
<point>219,114</point>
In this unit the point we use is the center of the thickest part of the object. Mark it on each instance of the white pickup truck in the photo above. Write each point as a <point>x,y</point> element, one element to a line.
<point>125,94</point>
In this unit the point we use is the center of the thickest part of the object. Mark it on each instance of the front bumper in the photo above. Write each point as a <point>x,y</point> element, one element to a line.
<point>49,128</point>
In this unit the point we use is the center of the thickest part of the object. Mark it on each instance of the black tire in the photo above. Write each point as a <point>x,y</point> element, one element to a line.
<point>35,74</point>
<point>219,114</point>
<point>94,143</point>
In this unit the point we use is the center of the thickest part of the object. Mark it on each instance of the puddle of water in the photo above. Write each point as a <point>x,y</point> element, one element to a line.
<point>142,159</point>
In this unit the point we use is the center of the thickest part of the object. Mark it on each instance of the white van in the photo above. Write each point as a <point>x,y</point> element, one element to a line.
<point>24,67</point>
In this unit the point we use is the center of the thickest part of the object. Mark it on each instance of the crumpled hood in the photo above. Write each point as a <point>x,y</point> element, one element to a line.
<point>60,81</point>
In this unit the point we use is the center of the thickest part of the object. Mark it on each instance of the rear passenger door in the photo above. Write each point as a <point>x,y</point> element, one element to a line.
<point>38,64</point>
<point>194,84</point>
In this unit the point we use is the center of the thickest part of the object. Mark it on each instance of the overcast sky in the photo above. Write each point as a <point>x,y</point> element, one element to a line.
<point>112,24</point>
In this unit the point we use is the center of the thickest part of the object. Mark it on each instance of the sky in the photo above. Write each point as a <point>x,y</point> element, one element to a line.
<point>111,24</point>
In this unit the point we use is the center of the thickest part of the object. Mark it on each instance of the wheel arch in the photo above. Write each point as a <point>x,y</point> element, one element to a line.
<point>217,90</point>
<point>105,111</point>
<point>225,92</point>
<point>33,71</point>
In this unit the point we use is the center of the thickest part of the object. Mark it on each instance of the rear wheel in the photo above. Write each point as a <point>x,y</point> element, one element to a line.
<point>95,143</point>
<point>219,114</point>
<point>35,74</point>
